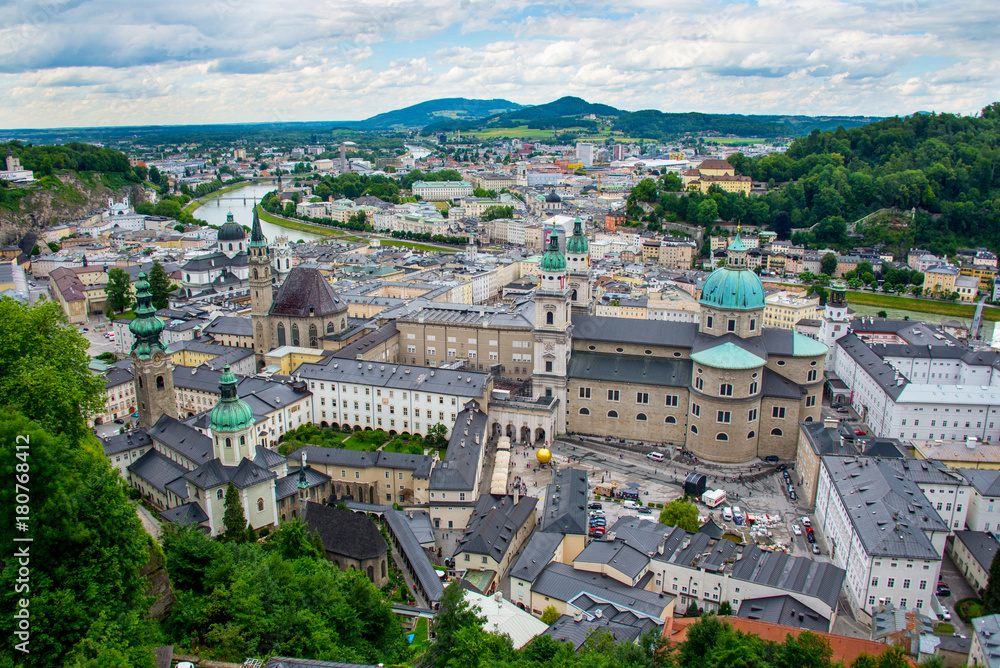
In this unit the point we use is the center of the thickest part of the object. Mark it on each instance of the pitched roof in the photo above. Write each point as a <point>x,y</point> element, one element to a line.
<point>137,438</point>
<point>629,368</point>
<point>215,474</point>
<point>566,502</point>
<point>306,292</point>
<point>345,532</point>
<point>185,514</point>
<point>156,469</point>
<point>982,545</point>
<point>783,610</point>
<point>616,554</point>
<point>536,555</point>
<point>180,438</point>
<point>415,555</point>
<point>986,482</point>
<point>564,583</point>
<point>625,330</point>
<point>795,574</point>
<point>494,523</point>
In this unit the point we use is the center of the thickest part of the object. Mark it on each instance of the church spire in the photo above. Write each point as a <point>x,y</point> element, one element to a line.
<point>146,327</point>
<point>257,234</point>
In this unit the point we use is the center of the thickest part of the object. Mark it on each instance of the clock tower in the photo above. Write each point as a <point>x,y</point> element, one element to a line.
<point>261,292</point>
<point>553,330</point>
<point>152,371</point>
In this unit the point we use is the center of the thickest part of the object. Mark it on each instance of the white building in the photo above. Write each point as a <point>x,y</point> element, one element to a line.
<point>882,530</point>
<point>984,502</point>
<point>393,397</point>
<point>439,191</point>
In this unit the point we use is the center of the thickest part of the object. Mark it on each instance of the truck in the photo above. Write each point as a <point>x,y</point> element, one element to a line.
<point>939,610</point>
<point>714,497</point>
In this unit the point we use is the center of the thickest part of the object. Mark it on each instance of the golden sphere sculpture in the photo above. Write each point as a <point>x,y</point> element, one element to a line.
<point>544,456</point>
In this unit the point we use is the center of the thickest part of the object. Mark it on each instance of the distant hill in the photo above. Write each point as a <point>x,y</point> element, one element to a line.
<point>571,112</point>
<point>425,113</point>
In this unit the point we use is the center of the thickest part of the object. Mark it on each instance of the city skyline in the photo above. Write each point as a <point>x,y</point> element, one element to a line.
<point>107,63</point>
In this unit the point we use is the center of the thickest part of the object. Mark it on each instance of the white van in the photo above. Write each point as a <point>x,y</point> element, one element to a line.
<point>655,456</point>
<point>727,514</point>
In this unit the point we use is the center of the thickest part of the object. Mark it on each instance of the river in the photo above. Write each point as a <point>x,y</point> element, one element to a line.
<point>240,202</point>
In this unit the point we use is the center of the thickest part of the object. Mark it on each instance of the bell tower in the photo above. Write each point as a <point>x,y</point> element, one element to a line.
<point>261,294</point>
<point>231,423</point>
<point>152,372</point>
<point>553,330</point>
<point>578,261</point>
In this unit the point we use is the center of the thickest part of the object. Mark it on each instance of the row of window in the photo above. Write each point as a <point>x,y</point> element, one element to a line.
<point>891,582</point>
<point>313,333</point>
<point>944,423</point>
<point>731,324</point>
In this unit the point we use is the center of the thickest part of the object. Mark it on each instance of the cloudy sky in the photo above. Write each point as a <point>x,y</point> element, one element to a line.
<point>108,62</point>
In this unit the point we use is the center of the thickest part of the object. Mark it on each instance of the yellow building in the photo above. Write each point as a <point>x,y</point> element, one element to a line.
<point>940,279</point>
<point>783,309</point>
<point>958,455</point>
<point>288,358</point>
<point>984,274</point>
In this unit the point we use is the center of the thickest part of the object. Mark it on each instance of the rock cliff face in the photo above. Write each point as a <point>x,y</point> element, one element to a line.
<point>60,198</point>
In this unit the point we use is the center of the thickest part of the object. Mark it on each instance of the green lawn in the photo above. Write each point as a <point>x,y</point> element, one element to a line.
<point>922,305</point>
<point>194,204</point>
<point>296,224</point>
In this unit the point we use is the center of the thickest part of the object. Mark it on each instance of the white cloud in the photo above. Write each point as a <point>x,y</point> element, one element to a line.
<point>93,62</point>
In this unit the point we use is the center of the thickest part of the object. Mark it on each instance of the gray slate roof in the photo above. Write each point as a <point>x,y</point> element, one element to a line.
<point>987,631</point>
<point>536,555</point>
<point>777,386</point>
<point>566,502</point>
<point>630,369</point>
<point>416,556</point>
<point>622,624</point>
<point>625,330</point>
<point>494,523</point>
<point>982,545</point>
<point>396,376</point>
<point>345,532</point>
<point>462,462</point>
<point>616,554</point>
<point>985,482</point>
<point>137,438</point>
<point>214,474</point>
<point>315,454</point>
<point>185,514</point>
<point>289,485</point>
<point>182,439</point>
<point>887,509</point>
<point>641,534</point>
<point>306,292</point>
<point>564,583</point>
<point>156,469</point>
<point>794,574</point>
<point>880,370</point>
<point>229,325</point>
<point>783,610</point>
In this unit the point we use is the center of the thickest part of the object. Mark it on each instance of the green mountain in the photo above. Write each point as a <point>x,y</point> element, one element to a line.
<point>425,113</point>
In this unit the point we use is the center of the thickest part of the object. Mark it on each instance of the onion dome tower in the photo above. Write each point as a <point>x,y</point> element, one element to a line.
<point>231,423</point>
<point>152,372</point>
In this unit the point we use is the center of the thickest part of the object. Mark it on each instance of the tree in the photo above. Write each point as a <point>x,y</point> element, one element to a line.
<point>782,226</point>
<point>437,434</point>
<point>550,615</point>
<point>86,594</point>
<point>119,290</point>
<point>292,540</point>
<point>681,513</point>
<point>159,285</point>
<point>882,314</point>
<point>234,520</point>
<point>454,614</point>
<point>828,264</point>
<point>991,596</point>
<point>708,212</point>
<point>43,368</point>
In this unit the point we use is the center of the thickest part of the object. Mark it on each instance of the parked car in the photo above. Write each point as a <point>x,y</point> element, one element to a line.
<point>119,421</point>
<point>597,513</point>
<point>774,459</point>
<point>815,548</point>
<point>631,504</point>
<point>809,530</point>
<point>135,415</point>
<point>595,506</point>
<point>782,468</point>
<point>943,590</point>
<point>792,496</point>
<point>806,522</point>
<point>859,432</point>
<point>645,511</point>
<point>811,537</point>
<point>835,406</point>
<point>796,529</point>
<point>841,409</point>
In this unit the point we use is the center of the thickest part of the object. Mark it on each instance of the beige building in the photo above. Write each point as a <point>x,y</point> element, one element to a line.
<point>940,279</point>
<point>676,254</point>
<point>783,309</point>
<point>973,553</point>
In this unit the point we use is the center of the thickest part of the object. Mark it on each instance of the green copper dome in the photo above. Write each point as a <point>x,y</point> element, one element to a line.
<point>577,244</point>
<point>146,327</point>
<point>553,260</point>
<point>734,286</point>
<point>231,413</point>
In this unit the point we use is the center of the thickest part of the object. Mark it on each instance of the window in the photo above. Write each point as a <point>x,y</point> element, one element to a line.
<point>753,387</point>
<point>906,584</point>
<point>696,410</point>
<point>871,600</point>
<point>585,393</point>
<point>612,414</point>
<point>723,417</point>
<point>722,436</point>
<point>671,400</point>
<point>811,376</point>
<point>731,325</point>
<point>753,324</point>
<point>890,582</point>
<point>775,432</point>
<point>642,397</point>
<point>699,383</point>
<point>708,322</point>
<point>874,582</point>
<point>778,412</point>
<point>548,367</point>
<point>641,417</point>
<point>260,505</point>
<point>550,318</point>
<point>694,429</point>
<point>613,395</point>
<point>751,435</point>
<point>218,494</point>
<point>670,419</point>
<point>295,335</point>
<point>923,585</point>
<point>752,415</point>
<point>726,390</point>
<point>584,411</point>
<point>810,400</point>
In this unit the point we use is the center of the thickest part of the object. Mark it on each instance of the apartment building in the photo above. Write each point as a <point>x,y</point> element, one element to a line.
<point>439,191</point>
<point>783,310</point>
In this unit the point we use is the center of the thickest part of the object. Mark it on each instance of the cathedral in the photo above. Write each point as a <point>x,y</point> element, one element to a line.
<point>306,312</point>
